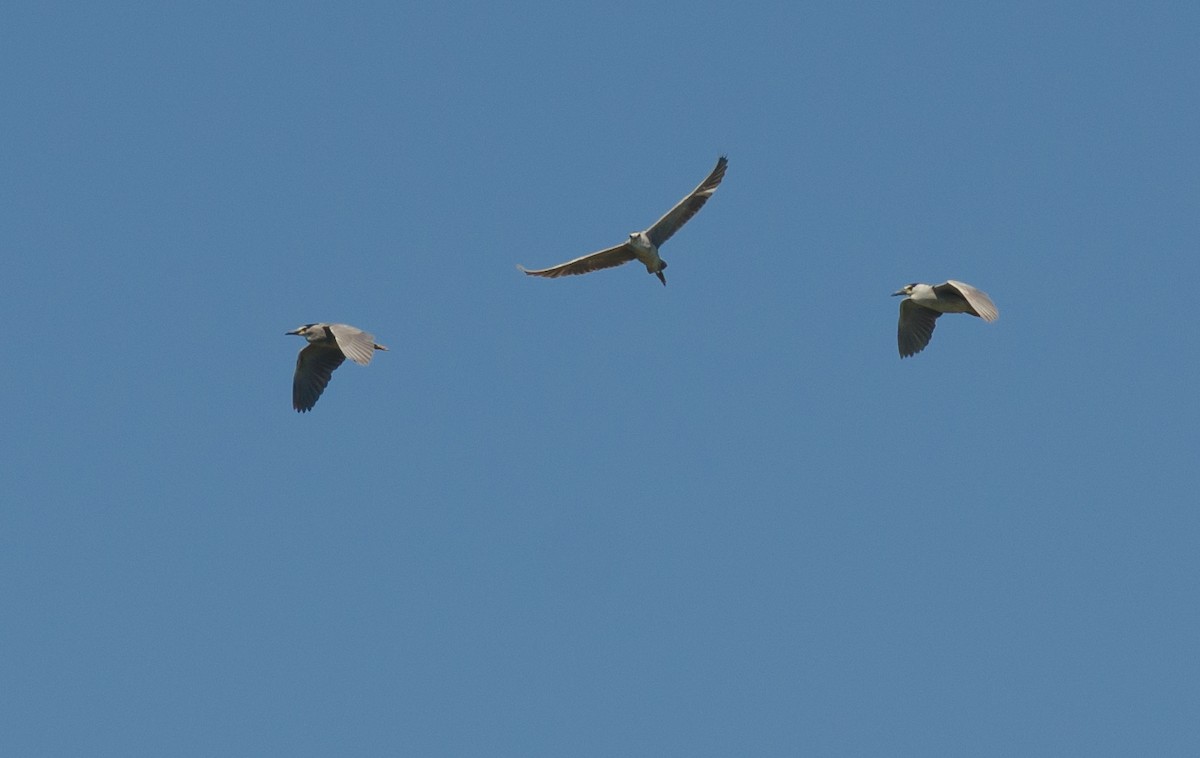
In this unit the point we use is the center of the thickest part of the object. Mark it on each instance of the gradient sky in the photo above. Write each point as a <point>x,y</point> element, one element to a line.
<point>595,516</point>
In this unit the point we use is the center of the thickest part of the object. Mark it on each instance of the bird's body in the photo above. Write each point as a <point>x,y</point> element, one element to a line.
<point>924,303</point>
<point>646,252</point>
<point>643,246</point>
<point>329,345</point>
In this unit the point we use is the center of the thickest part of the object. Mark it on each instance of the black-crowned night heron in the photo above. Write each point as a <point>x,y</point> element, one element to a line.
<point>643,246</point>
<point>328,345</point>
<point>925,302</point>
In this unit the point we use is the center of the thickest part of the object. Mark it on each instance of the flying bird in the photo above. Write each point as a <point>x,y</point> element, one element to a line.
<point>328,345</point>
<point>643,246</point>
<point>919,311</point>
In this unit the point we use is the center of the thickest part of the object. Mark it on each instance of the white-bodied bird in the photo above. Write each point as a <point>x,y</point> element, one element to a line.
<point>925,302</point>
<point>643,246</point>
<point>328,345</point>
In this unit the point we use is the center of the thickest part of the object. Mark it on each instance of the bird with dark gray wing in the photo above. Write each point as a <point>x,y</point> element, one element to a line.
<point>643,246</point>
<point>923,304</point>
<point>328,345</point>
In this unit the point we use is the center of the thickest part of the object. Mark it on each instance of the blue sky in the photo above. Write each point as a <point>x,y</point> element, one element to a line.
<point>597,516</point>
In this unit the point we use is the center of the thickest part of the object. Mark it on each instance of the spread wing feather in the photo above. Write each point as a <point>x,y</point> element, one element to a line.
<point>915,328</point>
<point>613,256</point>
<point>314,366</point>
<point>687,207</point>
<point>359,346</point>
<point>979,301</point>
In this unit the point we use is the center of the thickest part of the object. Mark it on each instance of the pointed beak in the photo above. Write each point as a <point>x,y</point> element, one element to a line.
<point>295,332</point>
<point>661,278</point>
<point>899,292</point>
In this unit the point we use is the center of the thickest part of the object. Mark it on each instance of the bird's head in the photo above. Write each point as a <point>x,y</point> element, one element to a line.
<point>303,331</point>
<point>640,241</point>
<point>905,290</point>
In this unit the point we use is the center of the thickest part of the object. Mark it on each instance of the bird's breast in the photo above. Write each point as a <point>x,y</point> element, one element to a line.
<point>646,252</point>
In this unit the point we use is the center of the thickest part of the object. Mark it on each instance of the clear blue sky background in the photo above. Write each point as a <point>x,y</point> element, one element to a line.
<point>595,516</point>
